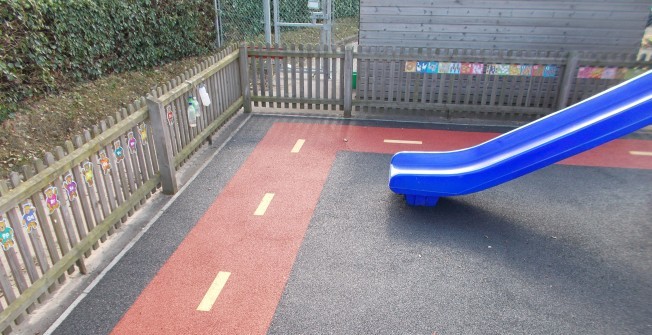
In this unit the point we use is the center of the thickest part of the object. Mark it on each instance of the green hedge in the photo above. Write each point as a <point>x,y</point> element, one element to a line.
<point>48,43</point>
<point>346,8</point>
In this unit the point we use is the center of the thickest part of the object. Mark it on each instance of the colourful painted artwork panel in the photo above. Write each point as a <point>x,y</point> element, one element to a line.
<point>7,234</point>
<point>609,73</point>
<point>502,69</point>
<point>514,70</point>
<point>169,115</point>
<point>477,68</point>
<point>455,68</point>
<point>105,163</point>
<point>444,67</point>
<point>584,72</point>
<point>596,73</point>
<point>526,70</point>
<point>420,67</point>
<point>131,141</point>
<point>466,68</point>
<point>29,219</point>
<point>550,71</point>
<point>142,130</point>
<point>537,70</point>
<point>118,151</point>
<point>52,199</point>
<point>87,169</point>
<point>70,185</point>
<point>432,67</point>
<point>411,66</point>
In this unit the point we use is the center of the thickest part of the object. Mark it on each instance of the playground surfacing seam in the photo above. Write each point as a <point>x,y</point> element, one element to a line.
<point>562,248</point>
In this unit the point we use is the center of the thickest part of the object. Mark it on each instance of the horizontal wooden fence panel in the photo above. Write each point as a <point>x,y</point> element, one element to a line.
<point>495,24</point>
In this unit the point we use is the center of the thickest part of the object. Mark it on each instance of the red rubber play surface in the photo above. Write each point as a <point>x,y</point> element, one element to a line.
<point>259,250</point>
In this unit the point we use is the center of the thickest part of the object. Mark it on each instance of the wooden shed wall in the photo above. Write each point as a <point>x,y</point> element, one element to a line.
<point>590,25</point>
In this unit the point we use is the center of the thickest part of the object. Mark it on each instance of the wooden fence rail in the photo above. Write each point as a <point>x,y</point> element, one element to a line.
<point>59,210</point>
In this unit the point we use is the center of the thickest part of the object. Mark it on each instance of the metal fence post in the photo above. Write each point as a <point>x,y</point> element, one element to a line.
<point>244,78</point>
<point>163,145</point>
<point>567,79</point>
<point>277,27</point>
<point>218,24</point>
<point>268,25</point>
<point>348,80</point>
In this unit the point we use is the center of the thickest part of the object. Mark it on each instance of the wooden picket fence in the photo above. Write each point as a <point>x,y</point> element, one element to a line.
<point>302,77</point>
<point>386,85</point>
<point>319,78</point>
<point>298,77</point>
<point>59,210</point>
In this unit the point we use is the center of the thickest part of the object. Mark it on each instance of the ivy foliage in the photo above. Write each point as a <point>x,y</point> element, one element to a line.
<point>49,43</point>
<point>26,54</point>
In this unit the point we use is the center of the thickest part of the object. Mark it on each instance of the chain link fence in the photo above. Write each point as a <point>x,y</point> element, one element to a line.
<point>243,20</point>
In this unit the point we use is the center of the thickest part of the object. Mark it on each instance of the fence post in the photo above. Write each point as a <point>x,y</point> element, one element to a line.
<point>567,79</point>
<point>244,78</point>
<point>163,145</point>
<point>348,80</point>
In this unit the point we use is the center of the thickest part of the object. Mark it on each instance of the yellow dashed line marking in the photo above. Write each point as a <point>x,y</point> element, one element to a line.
<point>298,146</point>
<point>213,292</point>
<point>262,208</point>
<point>641,153</point>
<point>403,142</point>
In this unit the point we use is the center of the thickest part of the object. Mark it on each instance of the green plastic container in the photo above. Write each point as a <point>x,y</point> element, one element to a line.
<point>354,82</point>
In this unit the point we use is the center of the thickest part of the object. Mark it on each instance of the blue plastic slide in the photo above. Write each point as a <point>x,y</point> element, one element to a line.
<point>423,177</point>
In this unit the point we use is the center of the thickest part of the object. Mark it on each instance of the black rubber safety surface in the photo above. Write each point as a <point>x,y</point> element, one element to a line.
<point>565,250</point>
